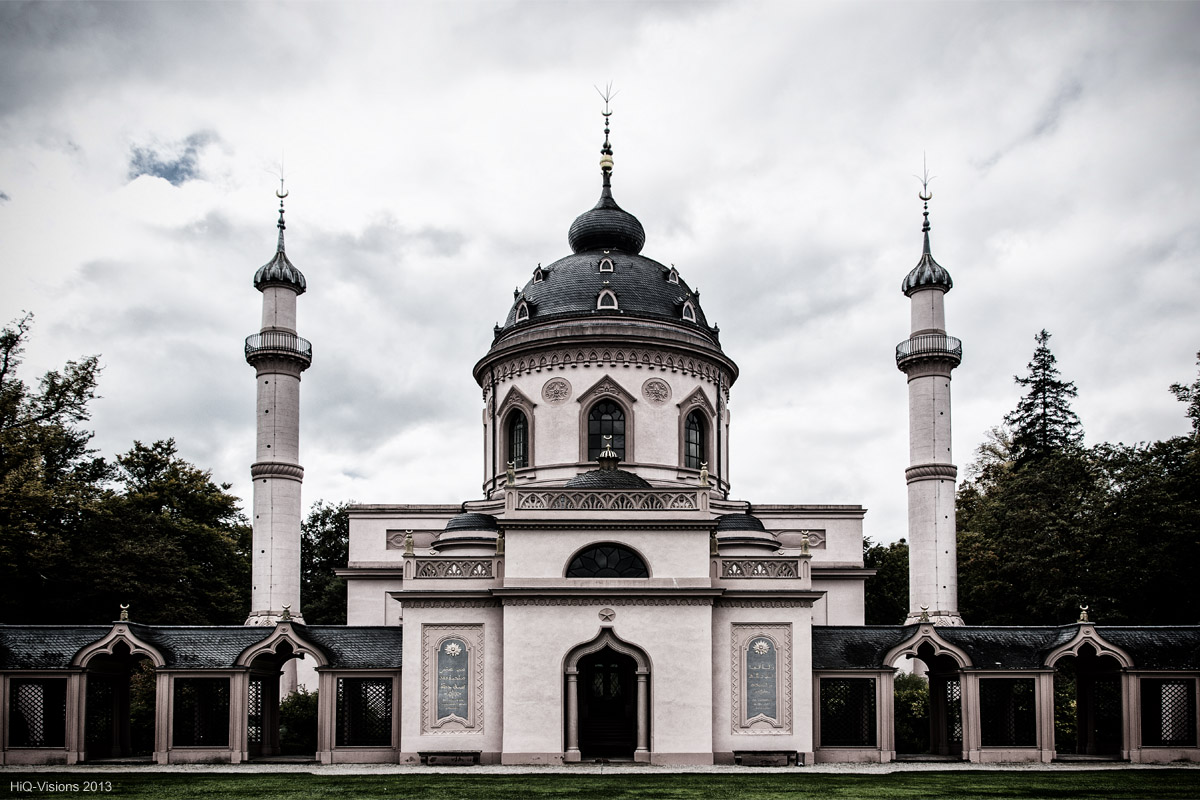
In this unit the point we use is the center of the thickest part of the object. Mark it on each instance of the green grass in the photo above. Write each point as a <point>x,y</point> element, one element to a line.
<point>793,784</point>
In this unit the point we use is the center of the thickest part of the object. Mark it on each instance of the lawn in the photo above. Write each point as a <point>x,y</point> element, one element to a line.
<point>791,784</point>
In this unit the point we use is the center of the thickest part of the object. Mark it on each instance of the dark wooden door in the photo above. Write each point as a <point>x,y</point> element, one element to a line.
<point>607,705</point>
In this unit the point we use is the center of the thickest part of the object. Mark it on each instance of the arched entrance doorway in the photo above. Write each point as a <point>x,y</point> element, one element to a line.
<point>607,688</point>
<point>119,705</point>
<point>1087,705</point>
<point>607,705</point>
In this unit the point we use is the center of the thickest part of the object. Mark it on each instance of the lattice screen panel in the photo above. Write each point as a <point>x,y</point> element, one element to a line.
<point>1168,712</point>
<point>848,712</point>
<point>954,726</point>
<point>201,712</point>
<point>38,713</point>
<point>364,712</point>
<point>1007,713</point>
<point>254,712</point>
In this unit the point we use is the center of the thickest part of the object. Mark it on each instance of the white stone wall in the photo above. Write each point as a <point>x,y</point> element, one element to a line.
<point>279,309</point>
<point>278,437</point>
<point>558,448</point>
<point>275,565</point>
<point>928,310</point>
<point>673,557</point>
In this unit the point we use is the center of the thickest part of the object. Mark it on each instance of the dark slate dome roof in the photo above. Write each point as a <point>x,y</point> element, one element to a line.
<point>472,522</point>
<point>927,274</point>
<point>606,226</point>
<point>739,522</point>
<point>571,286</point>
<point>607,479</point>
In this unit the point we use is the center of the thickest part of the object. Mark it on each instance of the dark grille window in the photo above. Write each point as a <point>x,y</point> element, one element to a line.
<point>1007,712</point>
<point>254,712</point>
<point>848,712</point>
<point>693,447</point>
<point>37,713</point>
<point>201,712</point>
<point>607,561</point>
<point>518,440</point>
<point>1168,712</point>
<point>364,712</point>
<point>606,419</point>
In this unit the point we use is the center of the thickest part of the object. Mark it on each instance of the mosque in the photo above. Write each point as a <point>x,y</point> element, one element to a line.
<point>607,597</point>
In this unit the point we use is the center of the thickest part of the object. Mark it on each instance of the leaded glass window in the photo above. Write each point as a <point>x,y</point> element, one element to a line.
<point>518,440</point>
<point>606,419</point>
<point>607,561</point>
<point>693,441</point>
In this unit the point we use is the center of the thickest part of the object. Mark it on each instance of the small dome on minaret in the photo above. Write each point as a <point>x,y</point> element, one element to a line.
<point>279,271</point>
<point>606,226</point>
<point>927,274</point>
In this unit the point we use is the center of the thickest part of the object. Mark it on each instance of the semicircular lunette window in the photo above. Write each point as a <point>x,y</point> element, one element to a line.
<point>607,561</point>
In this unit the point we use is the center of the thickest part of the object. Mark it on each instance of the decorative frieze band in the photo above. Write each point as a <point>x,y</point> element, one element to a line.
<point>448,603</point>
<point>275,469</point>
<point>739,603</point>
<point>583,500</point>
<point>454,568</point>
<point>759,568</point>
<point>608,601</point>
<point>931,472</point>
<point>643,359</point>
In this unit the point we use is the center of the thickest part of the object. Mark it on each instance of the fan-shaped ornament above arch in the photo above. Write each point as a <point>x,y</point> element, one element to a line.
<point>608,560</point>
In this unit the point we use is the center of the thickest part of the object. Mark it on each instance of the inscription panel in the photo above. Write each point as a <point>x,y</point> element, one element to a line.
<point>452,667</point>
<point>761,685</point>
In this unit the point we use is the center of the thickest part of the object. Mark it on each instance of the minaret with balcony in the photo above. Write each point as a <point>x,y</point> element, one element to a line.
<point>928,357</point>
<point>278,356</point>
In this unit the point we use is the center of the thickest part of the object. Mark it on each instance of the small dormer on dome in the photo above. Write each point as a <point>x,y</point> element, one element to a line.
<point>927,274</point>
<point>280,271</point>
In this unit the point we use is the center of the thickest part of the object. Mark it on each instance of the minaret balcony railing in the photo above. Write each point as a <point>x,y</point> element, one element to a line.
<point>278,343</point>
<point>929,346</point>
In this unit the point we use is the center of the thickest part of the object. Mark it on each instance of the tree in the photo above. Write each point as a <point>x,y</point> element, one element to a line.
<point>1191,396</point>
<point>887,590</point>
<point>79,536</point>
<point>324,547</point>
<point>1043,421</point>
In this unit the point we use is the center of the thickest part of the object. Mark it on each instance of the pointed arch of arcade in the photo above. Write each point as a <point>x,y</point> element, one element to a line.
<point>953,694</point>
<point>106,646</point>
<point>606,638</point>
<point>257,707</point>
<point>1103,685</point>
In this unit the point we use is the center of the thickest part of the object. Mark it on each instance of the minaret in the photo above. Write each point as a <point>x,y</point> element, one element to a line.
<point>278,356</point>
<point>927,357</point>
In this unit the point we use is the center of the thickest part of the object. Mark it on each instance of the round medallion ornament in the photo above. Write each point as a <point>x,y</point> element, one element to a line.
<point>453,648</point>
<point>556,390</point>
<point>761,647</point>
<point>657,391</point>
<point>607,615</point>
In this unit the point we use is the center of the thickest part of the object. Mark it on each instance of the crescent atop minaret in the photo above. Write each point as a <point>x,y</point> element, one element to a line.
<point>925,195</point>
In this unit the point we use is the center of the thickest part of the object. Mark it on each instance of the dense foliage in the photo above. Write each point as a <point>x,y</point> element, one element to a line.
<point>1046,525</point>
<point>324,547</point>
<point>79,535</point>
<point>887,589</point>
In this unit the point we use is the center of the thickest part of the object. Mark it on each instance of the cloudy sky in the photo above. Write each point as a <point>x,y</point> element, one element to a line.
<point>436,152</point>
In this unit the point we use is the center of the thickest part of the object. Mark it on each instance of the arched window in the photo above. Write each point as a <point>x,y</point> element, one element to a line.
<point>518,440</point>
<point>673,275</point>
<point>689,312</point>
<point>694,444</point>
<point>606,419</point>
<point>608,560</point>
<point>606,300</point>
<point>522,312</point>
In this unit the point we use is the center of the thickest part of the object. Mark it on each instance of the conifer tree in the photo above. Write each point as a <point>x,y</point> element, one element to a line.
<point>1043,422</point>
